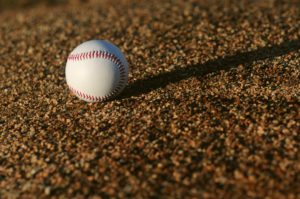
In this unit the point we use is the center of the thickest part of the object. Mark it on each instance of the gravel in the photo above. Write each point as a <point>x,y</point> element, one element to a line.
<point>212,109</point>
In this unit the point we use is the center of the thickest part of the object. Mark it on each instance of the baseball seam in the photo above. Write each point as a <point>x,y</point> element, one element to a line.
<point>100,55</point>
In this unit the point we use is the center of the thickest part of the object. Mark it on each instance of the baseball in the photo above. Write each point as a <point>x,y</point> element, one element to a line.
<point>96,71</point>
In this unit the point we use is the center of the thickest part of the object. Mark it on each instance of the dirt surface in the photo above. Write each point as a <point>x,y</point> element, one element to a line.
<point>212,109</point>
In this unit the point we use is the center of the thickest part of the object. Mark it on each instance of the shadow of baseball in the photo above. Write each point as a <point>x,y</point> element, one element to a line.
<point>151,83</point>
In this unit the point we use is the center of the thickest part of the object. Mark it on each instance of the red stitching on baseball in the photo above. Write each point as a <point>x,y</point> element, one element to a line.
<point>104,55</point>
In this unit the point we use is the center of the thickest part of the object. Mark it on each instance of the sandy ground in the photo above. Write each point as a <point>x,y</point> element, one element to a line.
<point>212,109</point>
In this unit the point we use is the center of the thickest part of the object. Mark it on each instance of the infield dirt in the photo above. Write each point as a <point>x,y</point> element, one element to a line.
<point>212,109</point>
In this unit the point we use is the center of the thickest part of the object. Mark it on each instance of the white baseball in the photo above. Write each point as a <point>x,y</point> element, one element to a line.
<point>96,70</point>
